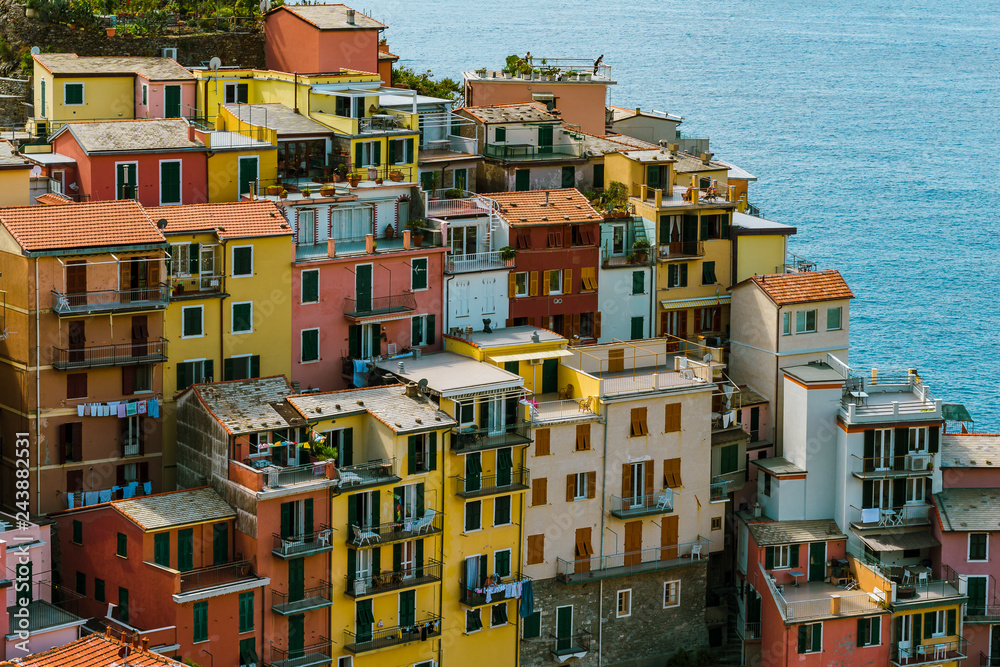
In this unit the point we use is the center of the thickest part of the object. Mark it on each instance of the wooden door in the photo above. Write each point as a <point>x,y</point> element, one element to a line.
<point>220,544</point>
<point>633,542</point>
<point>583,550</point>
<point>77,340</point>
<point>817,561</point>
<point>140,335</point>
<point>564,627</point>
<point>668,537</point>
<point>363,288</point>
<point>76,283</point>
<point>171,101</point>
<point>616,360</point>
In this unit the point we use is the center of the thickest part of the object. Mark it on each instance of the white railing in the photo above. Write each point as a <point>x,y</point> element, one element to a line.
<point>480,261</point>
<point>570,408</point>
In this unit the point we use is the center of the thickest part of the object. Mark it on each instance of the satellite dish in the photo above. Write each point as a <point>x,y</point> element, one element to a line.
<point>422,384</point>
<point>214,64</point>
<point>265,6</point>
<point>161,223</point>
<point>35,50</point>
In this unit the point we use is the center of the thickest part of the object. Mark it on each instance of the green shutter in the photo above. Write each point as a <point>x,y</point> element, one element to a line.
<point>409,151</point>
<point>352,512</point>
<point>194,253</point>
<point>378,154</point>
<point>227,369</point>
<point>246,605</point>
<point>183,375</point>
<point>500,134</point>
<point>310,345</point>
<point>247,174</point>
<point>376,508</point>
<point>638,282</point>
<point>793,556</point>
<point>200,621</point>
<point>432,456</point>
<point>411,455</point>
<point>638,327</point>
<point>408,608</point>
<point>358,154</point>
<point>377,559</point>
<point>817,637</point>
<point>354,341</point>
<point>862,632</point>
<point>803,639</point>
<point>161,549</point>
<point>933,440</point>
<point>220,543</point>
<point>952,623</point>
<point>430,329</point>
<point>170,182</point>
<point>77,532</point>
<point>930,624</point>
<point>123,605</point>
<point>352,568</point>
<point>533,625</point>
<point>420,500</point>
<point>397,557</point>
<point>185,549</point>
<point>392,151</point>
<point>255,366</point>
<point>522,180</point>
<point>867,494</point>
<point>310,286</point>
<point>308,520</point>
<point>73,93</point>
<point>122,546</point>
<point>286,519</point>
<point>768,558</point>
<point>684,275</point>
<point>348,454</point>
<point>415,331</point>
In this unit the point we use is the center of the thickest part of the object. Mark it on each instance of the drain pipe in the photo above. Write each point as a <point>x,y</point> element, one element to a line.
<point>38,399</point>
<point>604,502</point>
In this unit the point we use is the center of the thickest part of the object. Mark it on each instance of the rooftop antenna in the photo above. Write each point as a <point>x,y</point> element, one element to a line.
<point>265,6</point>
<point>161,223</point>
<point>215,63</point>
<point>35,50</point>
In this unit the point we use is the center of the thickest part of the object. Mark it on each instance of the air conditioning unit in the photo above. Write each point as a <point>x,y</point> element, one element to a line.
<point>169,53</point>
<point>919,462</point>
<point>713,341</point>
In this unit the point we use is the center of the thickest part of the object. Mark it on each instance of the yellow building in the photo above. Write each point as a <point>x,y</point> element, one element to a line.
<point>389,444</point>
<point>15,177</point>
<point>230,304</point>
<point>760,246</point>
<point>236,163</point>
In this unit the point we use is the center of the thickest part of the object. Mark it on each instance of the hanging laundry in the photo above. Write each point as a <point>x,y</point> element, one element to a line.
<point>121,410</point>
<point>142,407</point>
<point>91,498</point>
<point>147,487</point>
<point>154,408</point>
<point>79,411</point>
<point>131,409</point>
<point>105,495</point>
<point>86,410</point>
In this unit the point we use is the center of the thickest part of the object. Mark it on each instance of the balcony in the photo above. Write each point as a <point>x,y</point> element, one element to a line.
<point>395,531</point>
<point>631,562</point>
<point>567,409</point>
<point>426,628</point>
<point>362,475</point>
<point>492,485</point>
<point>747,630</point>
<point>302,544</point>
<point>679,250</point>
<point>317,597</point>
<point>217,575</point>
<point>491,592</point>
<point>896,517</point>
<point>982,613</point>
<point>924,654</point>
<point>571,646</point>
<point>314,655</point>
<point>358,587</point>
<point>724,435</point>
<point>110,301</point>
<point>885,467</point>
<point>528,152</point>
<point>292,475</point>
<point>718,490</point>
<point>102,356</point>
<point>379,305</point>
<point>466,439</point>
<point>647,505</point>
<point>197,286</point>
<point>480,261</point>
<point>471,204</point>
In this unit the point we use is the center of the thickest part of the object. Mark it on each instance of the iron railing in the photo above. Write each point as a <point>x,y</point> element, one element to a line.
<point>393,580</point>
<point>630,562</point>
<point>988,661</point>
<point>569,644</point>
<point>719,489</point>
<point>878,467</point>
<point>117,354</point>
<point>652,503</point>
<point>147,298</point>
<point>379,305</point>
<point>302,543</point>
<point>678,249</point>
<point>530,152</point>
<point>492,591</point>
<point>480,261</point>
<point>376,638</point>
<point>431,522</point>
<point>900,515</point>
<point>290,475</point>
<point>922,654</point>
<point>515,479</point>
<point>311,598</point>
<point>216,575</point>
<point>381,471</point>
<point>311,655</point>
<point>475,439</point>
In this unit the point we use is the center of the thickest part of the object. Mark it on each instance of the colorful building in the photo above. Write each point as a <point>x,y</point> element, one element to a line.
<point>85,293</point>
<point>556,236</point>
<point>166,565</point>
<point>322,38</point>
<point>628,289</point>
<point>15,177</point>
<point>759,245</point>
<point>97,649</point>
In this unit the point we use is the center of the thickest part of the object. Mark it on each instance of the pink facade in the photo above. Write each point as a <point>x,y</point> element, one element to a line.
<point>155,95</point>
<point>579,103</point>
<point>295,45</point>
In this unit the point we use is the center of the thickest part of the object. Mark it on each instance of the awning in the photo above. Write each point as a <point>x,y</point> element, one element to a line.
<point>48,159</point>
<point>371,319</point>
<point>681,304</point>
<point>528,356</point>
<point>901,541</point>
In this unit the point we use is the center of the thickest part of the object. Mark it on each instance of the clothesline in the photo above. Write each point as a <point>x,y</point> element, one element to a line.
<point>120,409</point>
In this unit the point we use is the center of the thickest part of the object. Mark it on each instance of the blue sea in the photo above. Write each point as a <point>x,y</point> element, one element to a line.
<point>872,126</point>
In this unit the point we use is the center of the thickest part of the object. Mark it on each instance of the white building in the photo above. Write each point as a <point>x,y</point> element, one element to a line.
<point>627,293</point>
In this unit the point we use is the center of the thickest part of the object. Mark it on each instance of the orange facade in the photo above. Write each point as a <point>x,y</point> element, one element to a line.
<point>296,45</point>
<point>579,103</point>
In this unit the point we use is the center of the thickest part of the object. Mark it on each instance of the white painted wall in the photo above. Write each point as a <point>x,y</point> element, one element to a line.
<point>471,297</point>
<point>618,305</point>
<point>810,442</point>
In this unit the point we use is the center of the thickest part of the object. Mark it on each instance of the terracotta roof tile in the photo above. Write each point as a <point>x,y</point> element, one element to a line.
<point>331,17</point>
<point>515,112</point>
<point>529,208</point>
<point>94,651</point>
<point>53,199</point>
<point>806,287</point>
<point>86,225</point>
<point>155,69</point>
<point>10,158</point>
<point>231,220</point>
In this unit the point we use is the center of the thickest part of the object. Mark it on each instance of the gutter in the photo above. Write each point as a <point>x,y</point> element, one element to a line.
<point>38,404</point>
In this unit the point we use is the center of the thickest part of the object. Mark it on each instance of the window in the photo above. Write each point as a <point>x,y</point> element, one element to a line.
<point>138,379</point>
<point>123,604</point>
<point>588,275</point>
<point>246,611</point>
<point>532,626</point>
<point>310,345</point>
<point>579,490</point>
<point>811,638</point>
<point>400,151</point>
<point>978,546</point>
<point>242,317</point>
<point>870,631</point>
<point>161,549</point>
<point>918,439</point>
<point>708,273</point>
<point>99,590</point>
<point>81,583</point>
<point>624,603</point>
<point>145,94</point>
<point>473,515</point>
<point>418,274</point>
<point>248,653</point>
<point>638,423</point>
<point>77,532</point>
<point>521,283</point>
<point>76,385</point>
<point>915,489</point>
<point>121,548</point>
<point>367,154</point>
<point>598,175</point>
<point>498,615</point>
<point>348,107</point>
<point>193,372</point>
<point>242,367</point>
<point>501,563</point>
<point>421,453</point>
<point>126,181</point>
<point>422,330</point>
<point>834,318</point>
<point>310,286</point>
<point>73,94</point>
<point>677,275</point>
<point>200,621</point>
<point>672,473</point>
<point>805,321</point>
<point>170,182</point>
<point>536,549</point>
<point>193,318</point>
<point>716,523</point>
<point>638,282</point>
<point>542,440</point>
<point>473,623</point>
<point>555,280</point>
<point>786,324</point>
<point>671,594</point>
<point>539,491</point>
<point>568,177</point>
<point>500,135</point>
<point>582,437</point>
<point>729,459</point>
<point>306,231</point>
<point>501,511</point>
<point>242,261</point>
<point>767,485</point>
<point>237,93</point>
<point>781,557</point>
<point>940,623</point>
<point>672,418</point>
<point>637,326</point>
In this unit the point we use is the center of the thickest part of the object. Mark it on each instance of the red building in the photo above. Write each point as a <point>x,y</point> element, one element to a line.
<point>557,236</point>
<point>99,651</point>
<point>310,39</point>
<point>167,565</point>
<point>155,161</point>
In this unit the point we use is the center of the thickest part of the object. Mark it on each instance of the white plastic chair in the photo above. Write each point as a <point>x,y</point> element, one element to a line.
<point>362,537</point>
<point>324,537</point>
<point>424,523</point>
<point>923,578</point>
<point>662,501</point>
<point>696,552</point>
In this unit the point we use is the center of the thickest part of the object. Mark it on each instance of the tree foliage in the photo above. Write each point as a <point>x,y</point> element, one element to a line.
<point>447,88</point>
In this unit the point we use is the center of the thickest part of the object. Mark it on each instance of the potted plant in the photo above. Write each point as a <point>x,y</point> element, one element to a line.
<point>306,192</point>
<point>513,66</point>
<point>396,175</point>
<point>354,178</point>
<point>283,194</point>
<point>379,180</point>
<point>453,193</point>
<point>641,250</point>
<point>481,72</point>
<point>416,227</point>
<point>431,182</point>
<point>507,253</point>
<point>327,190</point>
<point>573,75</point>
<point>273,190</point>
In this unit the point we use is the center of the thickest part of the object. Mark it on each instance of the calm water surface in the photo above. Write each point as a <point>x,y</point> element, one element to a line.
<point>872,126</point>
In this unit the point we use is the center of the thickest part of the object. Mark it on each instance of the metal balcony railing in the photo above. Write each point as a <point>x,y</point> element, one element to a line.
<point>923,654</point>
<point>312,655</point>
<point>382,471</point>
<point>530,152</point>
<point>679,249</point>
<point>466,439</point>
<point>300,474</point>
<point>570,644</point>
<point>216,575</point>
<point>317,597</point>
<point>894,517</point>
<point>302,544</point>
<point>492,591</point>
<point>480,261</point>
<point>476,486</point>
<point>379,305</point>
<point>118,354</point>
<point>882,467</point>
<point>394,580</point>
<point>154,297</point>
<point>376,638</point>
<point>719,490</point>
<point>431,522</point>
<point>630,562</point>
<point>652,503</point>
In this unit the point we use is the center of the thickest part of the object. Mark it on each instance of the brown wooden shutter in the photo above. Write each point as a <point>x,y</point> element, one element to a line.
<point>567,281</point>
<point>717,320</point>
<point>539,491</point>
<point>545,282</point>
<point>512,285</point>
<point>626,480</point>
<point>668,537</point>
<point>536,549</point>
<point>533,284</point>
<point>597,325</point>
<point>682,324</point>
<point>76,432</point>
<point>649,478</point>
<point>570,487</point>
<point>582,437</point>
<point>542,442</point>
<point>591,484</point>
<point>63,439</point>
<point>672,418</point>
<point>128,380</point>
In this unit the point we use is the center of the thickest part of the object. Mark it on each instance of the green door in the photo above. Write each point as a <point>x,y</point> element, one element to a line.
<point>473,472</point>
<point>170,182</point>
<point>408,608</point>
<point>248,174</point>
<point>638,325</point>
<point>123,605</point>
<point>185,549</point>
<point>363,620</point>
<point>550,376</point>
<point>569,177</point>
<point>505,466</point>
<point>817,561</point>
<point>564,628</point>
<point>296,579</point>
<point>220,544</point>
<point>522,180</point>
<point>545,140</point>
<point>296,635</point>
<point>125,181</point>
<point>363,288</point>
<point>977,596</point>
<point>171,101</point>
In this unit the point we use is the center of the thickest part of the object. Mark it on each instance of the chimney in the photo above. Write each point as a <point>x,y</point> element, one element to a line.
<point>638,111</point>
<point>401,370</point>
<point>756,510</point>
<point>350,16</point>
<point>546,198</point>
<point>706,157</point>
<point>674,148</point>
<point>145,643</point>
<point>412,390</point>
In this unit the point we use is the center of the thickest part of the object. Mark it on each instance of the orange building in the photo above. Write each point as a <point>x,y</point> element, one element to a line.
<point>97,650</point>
<point>310,39</point>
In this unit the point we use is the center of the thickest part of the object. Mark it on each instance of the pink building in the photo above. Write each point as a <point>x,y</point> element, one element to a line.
<point>968,527</point>
<point>310,39</point>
